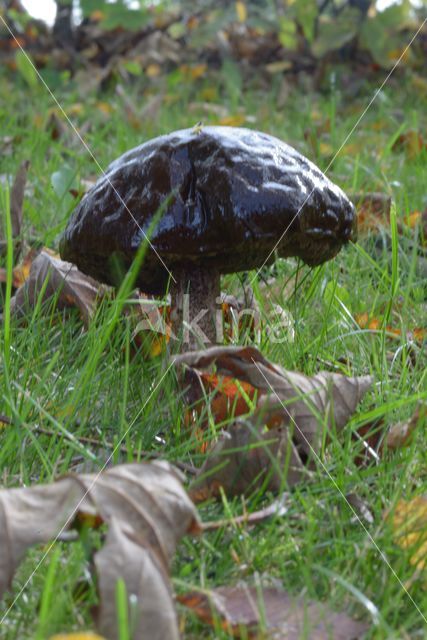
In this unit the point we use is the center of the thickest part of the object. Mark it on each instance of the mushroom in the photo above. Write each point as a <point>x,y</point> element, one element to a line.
<point>236,198</point>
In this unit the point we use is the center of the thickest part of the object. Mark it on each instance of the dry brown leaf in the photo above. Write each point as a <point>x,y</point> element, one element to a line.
<point>73,288</point>
<point>326,395</point>
<point>400,434</point>
<point>293,406</point>
<point>147,512</point>
<point>128,555</point>
<point>246,611</point>
<point>244,459</point>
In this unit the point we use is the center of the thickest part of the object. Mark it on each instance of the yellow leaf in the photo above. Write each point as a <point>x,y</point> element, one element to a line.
<point>193,72</point>
<point>279,66</point>
<point>410,526</point>
<point>153,70</point>
<point>325,149</point>
<point>420,83</point>
<point>241,10</point>
<point>198,71</point>
<point>413,219</point>
<point>233,121</point>
<point>75,109</point>
<point>97,15</point>
<point>210,94</point>
<point>79,635</point>
<point>399,54</point>
<point>104,107</point>
<point>38,121</point>
<point>21,272</point>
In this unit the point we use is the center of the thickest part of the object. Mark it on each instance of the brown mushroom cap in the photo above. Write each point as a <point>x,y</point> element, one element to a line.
<point>236,192</point>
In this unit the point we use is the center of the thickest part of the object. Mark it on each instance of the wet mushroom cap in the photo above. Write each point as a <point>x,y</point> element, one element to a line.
<point>236,195</point>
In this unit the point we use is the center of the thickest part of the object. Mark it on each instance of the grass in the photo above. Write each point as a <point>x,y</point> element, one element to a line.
<point>61,383</point>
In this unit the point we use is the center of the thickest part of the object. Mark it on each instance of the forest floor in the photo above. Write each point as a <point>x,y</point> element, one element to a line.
<point>61,388</point>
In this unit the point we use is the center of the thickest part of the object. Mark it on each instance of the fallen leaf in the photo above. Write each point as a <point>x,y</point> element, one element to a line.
<point>413,219</point>
<point>325,394</point>
<point>153,70</point>
<point>245,611</point>
<point>233,121</point>
<point>127,555</point>
<point>278,67</point>
<point>241,11</point>
<point>418,219</point>
<point>400,434</point>
<point>21,272</point>
<point>245,460</point>
<point>72,287</point>
<point>293,407</point>
<point>193,72</point>
<point>409,522</point>
<point>79,635</point>
<point>147,511</point>
<point>373,323</point>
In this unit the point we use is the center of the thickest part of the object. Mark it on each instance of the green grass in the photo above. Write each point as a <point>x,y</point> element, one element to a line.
<point>60,383</point>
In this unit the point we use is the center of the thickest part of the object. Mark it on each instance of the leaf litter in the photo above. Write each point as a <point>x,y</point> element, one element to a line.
<point>147,512</point>
<point>280,442</point>
<point>283,416</point>
<point>270,613</point>
<point>49,278</point>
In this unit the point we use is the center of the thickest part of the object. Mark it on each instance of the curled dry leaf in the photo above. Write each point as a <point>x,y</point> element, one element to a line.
<point>147,512</point>
<point>52,276</point>
<point>245,459</point>
<point>293,406</point>
<point>400,434</point>
<point>246,611</point>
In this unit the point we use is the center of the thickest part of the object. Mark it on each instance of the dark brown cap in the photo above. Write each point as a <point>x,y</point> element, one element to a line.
<point>236,195</point>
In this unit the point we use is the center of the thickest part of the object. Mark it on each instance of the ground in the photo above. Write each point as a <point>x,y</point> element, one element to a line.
<point>65,383</point>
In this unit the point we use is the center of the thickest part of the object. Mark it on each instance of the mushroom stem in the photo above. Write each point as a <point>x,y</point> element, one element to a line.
<point>193,306</point>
